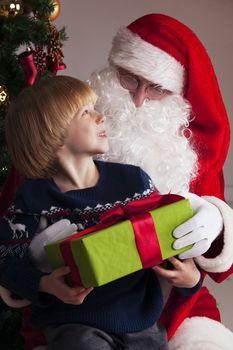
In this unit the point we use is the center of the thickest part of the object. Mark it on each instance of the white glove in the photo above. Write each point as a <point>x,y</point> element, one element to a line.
<point>201,230</point>
<point>61,229</point>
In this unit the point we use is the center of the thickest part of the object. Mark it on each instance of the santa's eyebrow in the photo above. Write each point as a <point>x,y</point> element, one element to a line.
<point>157,85</point>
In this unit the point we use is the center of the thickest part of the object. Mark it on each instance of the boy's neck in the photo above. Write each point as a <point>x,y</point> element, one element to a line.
<point>76,174</point>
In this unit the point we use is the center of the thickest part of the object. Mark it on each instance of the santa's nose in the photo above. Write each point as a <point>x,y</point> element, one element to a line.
<point>138,96</point>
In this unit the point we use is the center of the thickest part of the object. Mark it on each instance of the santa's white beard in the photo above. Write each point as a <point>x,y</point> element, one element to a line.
<point>151,136</point>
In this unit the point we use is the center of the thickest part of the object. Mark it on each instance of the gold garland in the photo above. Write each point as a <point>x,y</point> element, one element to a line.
<point>54,48</point>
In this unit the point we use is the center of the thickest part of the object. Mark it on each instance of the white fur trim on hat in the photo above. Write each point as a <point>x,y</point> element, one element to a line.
<point>201,333</point>
<point>224,260</point>
<point>132,53</point>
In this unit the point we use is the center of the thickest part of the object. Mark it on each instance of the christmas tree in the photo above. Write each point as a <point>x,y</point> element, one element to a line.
<point>30,47</point>
<point>25,25</point>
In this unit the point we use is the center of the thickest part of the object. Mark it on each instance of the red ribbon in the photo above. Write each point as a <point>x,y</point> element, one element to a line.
<point>145,234</point>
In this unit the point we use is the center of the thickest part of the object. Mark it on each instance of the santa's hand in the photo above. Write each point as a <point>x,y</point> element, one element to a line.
<point>201,230</point>
<point>61,229</point>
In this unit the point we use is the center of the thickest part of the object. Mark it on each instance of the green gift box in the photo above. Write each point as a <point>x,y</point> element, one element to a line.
<point>109,251</point>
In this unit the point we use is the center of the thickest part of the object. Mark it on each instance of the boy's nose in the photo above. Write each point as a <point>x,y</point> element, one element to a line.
<point>100,118</point>
<point>138,96</point>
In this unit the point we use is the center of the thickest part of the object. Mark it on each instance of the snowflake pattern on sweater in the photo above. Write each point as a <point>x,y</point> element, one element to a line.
<point>22,221</point>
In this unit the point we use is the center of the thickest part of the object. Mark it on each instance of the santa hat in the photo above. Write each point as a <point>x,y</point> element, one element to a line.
<point>165,51</point>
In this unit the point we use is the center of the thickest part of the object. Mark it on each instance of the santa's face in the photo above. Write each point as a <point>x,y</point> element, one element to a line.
<point>139,88</point>
<point>153,136</point>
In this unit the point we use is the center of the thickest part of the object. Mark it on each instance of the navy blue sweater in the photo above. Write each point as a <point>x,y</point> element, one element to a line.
<point>129,304</point>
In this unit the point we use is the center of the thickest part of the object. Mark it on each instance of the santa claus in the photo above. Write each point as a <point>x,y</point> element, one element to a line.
<point>165,113</point>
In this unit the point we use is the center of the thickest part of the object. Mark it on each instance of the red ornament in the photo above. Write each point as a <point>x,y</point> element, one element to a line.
<point>54,67</point>
<point>26,61</point>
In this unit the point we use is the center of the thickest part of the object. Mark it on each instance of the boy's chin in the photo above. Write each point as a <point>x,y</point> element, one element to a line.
<point>101,151</point>
<point>104,149</point>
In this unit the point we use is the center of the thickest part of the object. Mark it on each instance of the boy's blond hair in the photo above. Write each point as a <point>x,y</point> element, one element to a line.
<point>37,120</point>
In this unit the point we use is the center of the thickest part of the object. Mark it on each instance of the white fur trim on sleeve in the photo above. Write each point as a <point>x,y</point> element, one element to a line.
<point>224,260</point>
<point>131,52</point>
<point>201,333</point>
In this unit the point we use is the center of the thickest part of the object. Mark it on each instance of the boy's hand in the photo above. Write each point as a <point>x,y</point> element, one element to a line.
<point>54,284</point>
<point>185,274</point>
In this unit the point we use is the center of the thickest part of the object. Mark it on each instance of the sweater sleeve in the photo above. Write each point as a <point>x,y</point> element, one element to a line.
<point>190,291</point>
<point>147,181</point>
<point>22,278</point>
<point>17,272</point>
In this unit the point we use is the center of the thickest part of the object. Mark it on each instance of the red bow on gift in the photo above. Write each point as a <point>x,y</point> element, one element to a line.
<point>138,212</point>
<point>138,207</point>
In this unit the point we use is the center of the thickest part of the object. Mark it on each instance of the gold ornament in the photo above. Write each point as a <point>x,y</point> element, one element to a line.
<point>57,10</point>
<point>55,46</point>
<point>10,7</point>
<point>4,96</point>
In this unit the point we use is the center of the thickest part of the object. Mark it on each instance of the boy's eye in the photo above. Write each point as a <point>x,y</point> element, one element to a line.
<point>85,112</point>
